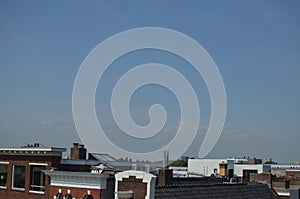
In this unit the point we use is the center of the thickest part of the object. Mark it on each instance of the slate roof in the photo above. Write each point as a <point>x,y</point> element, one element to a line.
<point>232,191</point>
<point>198,181</point>
<point>102,157</point>
<point>79,162</point>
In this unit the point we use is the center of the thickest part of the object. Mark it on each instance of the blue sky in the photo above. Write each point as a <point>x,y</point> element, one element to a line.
<point>255,45</point>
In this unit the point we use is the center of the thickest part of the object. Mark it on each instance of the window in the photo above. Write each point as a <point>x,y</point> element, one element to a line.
<point>246,174</point>
<point>19,172</point>
<point>88,197</point>
<point>59,196</point>
<point>215,171</point>
<point>3,175</point>
<point>37,178</point>
<point>68,196</point>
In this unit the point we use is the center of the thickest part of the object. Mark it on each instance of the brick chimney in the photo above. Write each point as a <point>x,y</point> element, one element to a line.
<point>165,176</point>
<point>134,184</point>
<point>78,152</point>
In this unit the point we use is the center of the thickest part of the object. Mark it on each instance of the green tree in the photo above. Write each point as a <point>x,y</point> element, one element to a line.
<point>178,163</point>
<point>271,162</point>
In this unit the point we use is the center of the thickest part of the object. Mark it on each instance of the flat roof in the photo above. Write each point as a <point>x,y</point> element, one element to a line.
<point>103,157</point>
<point>71,174</point>
<point>79,162</point>
<point>34,149</point>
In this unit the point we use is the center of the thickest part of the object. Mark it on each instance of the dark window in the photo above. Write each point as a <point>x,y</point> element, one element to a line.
<point>59,196</point>
<point>230,173</point>
<point>37,178</point>
<point>68,196</point>
<point>246,174</point>
<point>88,197</point>
<point>19,172</point>
<point>215,171</point>
<point>3,175</point>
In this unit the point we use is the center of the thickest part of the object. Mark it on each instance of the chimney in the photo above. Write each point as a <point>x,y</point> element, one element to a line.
<point>223,169</point>
<point>75,145</point>
<point>165,176</point>
<point>78,152</point>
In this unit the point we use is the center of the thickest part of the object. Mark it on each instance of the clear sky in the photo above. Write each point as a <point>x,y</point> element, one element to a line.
<point>255,45</point>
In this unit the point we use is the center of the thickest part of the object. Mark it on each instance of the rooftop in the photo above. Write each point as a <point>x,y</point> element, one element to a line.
<point>232,191</point>
<point>79,162</point>
<point>33,150</point>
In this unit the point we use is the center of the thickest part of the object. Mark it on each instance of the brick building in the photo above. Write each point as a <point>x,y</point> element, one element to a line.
<point>21,169</point>
<point>37,172</point>
<point>134,184</point>
<point>80,185</point>
<point>142,185</point>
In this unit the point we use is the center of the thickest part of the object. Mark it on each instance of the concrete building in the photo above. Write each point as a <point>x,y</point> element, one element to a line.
<point>230,168</point>
<point>179,172</point>
<point>204,167</point>
<point>244,170</point>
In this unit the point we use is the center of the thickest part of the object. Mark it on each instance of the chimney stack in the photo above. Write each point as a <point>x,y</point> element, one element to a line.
<point>223,169</point>
<point>165,176</point>
<point>78,152</point>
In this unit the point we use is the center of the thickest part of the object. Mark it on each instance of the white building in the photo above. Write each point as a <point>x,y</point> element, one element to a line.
<point>204,167</point>
<point>207,167</point>
<point>258,168</point>
<point>280,169</point>
<point>179,172</point>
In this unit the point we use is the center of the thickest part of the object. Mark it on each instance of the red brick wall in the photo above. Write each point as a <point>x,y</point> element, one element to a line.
<point>20,159</point>
<point>281,184</point>
<point>75,192</point>
<point>52,161</point>
<point>136,185</point>
<point>293,175</point>
<point>283,197</point>
<point>295,183</point>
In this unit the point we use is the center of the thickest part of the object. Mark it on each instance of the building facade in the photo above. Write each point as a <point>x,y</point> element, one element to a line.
<point>232,168</point>
<point>21,171</point>
<point>79,185</point>
<point>134,184</point>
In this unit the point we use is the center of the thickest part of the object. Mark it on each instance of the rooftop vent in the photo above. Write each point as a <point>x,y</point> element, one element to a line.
<point>34,145</point>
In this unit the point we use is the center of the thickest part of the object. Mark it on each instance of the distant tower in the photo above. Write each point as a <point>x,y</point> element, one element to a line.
<point>166,159</point>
